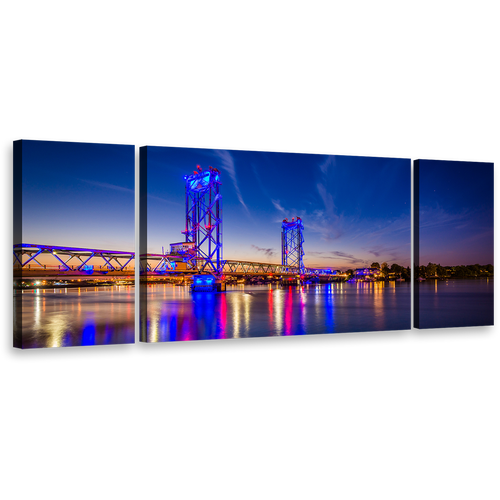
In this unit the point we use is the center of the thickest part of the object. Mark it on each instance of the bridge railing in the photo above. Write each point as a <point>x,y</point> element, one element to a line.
<point>233,266</point>
<point>45,267</point>
<point>26,256</point>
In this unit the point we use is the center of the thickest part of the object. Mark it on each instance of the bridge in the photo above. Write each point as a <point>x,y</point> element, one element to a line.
<point>201,252</point>
<point>72,261</point>
<point>69,261</point>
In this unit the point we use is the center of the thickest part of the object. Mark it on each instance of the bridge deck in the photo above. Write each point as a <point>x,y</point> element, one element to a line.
<point>73,261</point>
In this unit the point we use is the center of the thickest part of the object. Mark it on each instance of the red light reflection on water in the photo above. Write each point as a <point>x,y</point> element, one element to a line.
<point>288,312</point>
<point>221,331</point>
<point>187,331</point>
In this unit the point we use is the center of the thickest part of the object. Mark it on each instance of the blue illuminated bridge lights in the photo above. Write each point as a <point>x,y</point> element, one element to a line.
<point>203,283</point>
<point>204,220</point>
<point>26,255</point>
<point>292,239</point>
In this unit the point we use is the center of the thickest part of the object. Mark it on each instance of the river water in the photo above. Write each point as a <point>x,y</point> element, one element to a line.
<point>455,303</point>
<point>74,316</point>
<point>105,315</point>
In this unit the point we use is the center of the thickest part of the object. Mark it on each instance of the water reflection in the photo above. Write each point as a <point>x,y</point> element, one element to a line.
<point>277,300</point>
<point>330,316</point>
<point>288,306</point>
<point>270,306</point>
<point>236,320</point>
<point>174,314</point>
<point>74,317</point>
<point>90,316</point>
<point>455,303</point>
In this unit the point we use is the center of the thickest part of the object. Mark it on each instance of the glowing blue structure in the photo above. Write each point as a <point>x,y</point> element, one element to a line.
<point>292,252</point>
<point>204,220</point>
<point>203,283</point>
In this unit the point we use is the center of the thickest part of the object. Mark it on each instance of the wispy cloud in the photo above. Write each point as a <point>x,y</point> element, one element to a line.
<point>358,238</point>
<point>105,185</point>
<point>389,254</point>
<point>259,180</point>
<point>327,165</point>
<point>345,256</point>
<point>330,227</point>
<point>383,228</point>
<point>327,221</point>
<point>324,220</point>
<point>431,217</point>
<point>267,251</point>
<point>164,200</point>
<point>278,207</point>
<point>227,163</point>
<point>480,236</point>
<point>350,258</point>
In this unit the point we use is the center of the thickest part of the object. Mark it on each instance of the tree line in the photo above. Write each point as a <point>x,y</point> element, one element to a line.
<point>432,270</point>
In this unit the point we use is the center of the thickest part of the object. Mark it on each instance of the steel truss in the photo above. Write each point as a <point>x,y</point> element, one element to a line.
<point>234,266</point>
<point>204,220</point>
<point>26,254</point>
<point>292,252</point>
<point>161,263</point>
<point>322,272</point>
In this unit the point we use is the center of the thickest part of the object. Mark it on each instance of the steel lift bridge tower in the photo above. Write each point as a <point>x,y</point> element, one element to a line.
<point>204,220</point>
<point>292,253</point>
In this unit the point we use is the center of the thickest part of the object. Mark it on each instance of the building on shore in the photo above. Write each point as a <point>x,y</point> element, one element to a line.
<point>367,273</point>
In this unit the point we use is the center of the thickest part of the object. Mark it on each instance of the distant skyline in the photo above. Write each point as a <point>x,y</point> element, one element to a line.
<point>355,210</point>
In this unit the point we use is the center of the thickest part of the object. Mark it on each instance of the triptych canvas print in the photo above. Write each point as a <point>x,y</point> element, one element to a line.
<point>240,244</point>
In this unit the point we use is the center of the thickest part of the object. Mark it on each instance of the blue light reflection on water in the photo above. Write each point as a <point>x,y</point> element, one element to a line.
<point>88,334</point>
<point>173,327</point>
<point>176,314</point>
<point>90,316</point>
<point>75,316</point>
<point>330,316</point>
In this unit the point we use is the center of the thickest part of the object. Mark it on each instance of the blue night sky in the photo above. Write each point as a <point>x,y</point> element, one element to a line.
<point>456,212</point>
<point>355,210</point>
<point>78,194</point>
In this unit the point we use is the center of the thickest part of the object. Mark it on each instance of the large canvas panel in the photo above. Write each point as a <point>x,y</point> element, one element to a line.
<point>453,241</point>
<point>355,212</point>
<point>73,244</point>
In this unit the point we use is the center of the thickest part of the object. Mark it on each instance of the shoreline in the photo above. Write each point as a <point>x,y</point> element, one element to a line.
<point>86,284</point>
